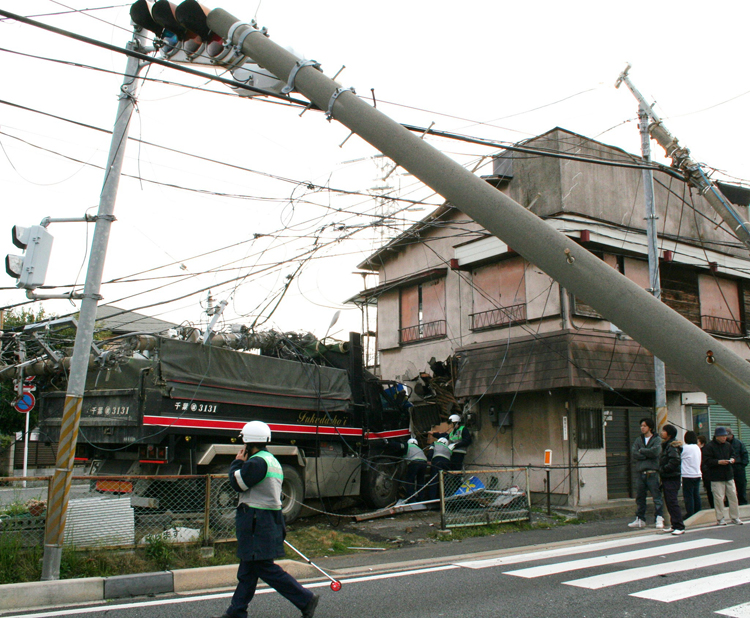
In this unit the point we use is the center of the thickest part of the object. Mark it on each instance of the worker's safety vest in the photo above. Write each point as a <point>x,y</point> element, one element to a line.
<point>265,495</point>
<point>414,453</point>
<point>456,436</point>
<point>440,450</point>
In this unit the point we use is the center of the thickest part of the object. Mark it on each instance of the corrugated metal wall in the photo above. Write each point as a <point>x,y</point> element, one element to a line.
<point>719,415</point>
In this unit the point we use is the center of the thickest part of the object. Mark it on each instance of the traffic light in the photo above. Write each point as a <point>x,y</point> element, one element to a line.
<point>182,36</point>
<point>31,268</point>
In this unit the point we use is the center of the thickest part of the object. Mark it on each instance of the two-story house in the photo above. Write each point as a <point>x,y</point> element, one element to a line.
<point>535,367</point>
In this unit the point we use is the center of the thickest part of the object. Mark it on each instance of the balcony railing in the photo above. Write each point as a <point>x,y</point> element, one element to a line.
<point>422,332</point>
<point>721,326</point>
<point>497,318</point>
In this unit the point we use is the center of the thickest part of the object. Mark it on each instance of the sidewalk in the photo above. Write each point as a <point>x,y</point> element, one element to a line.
<point>408,533</point>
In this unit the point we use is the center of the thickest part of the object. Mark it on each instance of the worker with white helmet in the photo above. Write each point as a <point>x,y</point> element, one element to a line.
<point>257,476</point>
<point>416,467</point>
<point>459,440</point>
<point>440,459</point>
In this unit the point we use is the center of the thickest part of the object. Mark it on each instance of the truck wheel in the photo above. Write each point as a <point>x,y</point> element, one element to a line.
<point>292,494</point>
<point>379,484</point>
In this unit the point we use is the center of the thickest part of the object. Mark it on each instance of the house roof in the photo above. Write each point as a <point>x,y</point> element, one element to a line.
<point>370,295</point>
<point>122,321</point>
<point>559,360</point>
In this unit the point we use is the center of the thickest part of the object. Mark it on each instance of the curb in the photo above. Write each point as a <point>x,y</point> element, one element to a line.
<point>36,595</point>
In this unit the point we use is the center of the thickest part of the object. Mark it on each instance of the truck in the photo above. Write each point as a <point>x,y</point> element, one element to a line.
<point>172,406</point>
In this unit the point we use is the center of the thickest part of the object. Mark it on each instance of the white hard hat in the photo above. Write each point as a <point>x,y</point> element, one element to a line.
<point>411,441</point>
<point>443,440</point>
<point>454,418</point>
<point>256,432</point>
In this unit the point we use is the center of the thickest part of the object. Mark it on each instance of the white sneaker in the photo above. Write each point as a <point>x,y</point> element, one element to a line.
<point>721,522</point>
<point>638,523</point>
<point>678,532</point>
<point>738,521</point>
<point>659,522</point>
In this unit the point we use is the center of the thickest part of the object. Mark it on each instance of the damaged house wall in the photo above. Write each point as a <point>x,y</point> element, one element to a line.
<point>447,288</point>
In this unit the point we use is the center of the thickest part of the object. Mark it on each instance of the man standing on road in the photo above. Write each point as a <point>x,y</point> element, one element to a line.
<point>645,452</point>
<point>257,476</point>
<point>739,452</point>
<point>718,457</point>
<point>670,464</point>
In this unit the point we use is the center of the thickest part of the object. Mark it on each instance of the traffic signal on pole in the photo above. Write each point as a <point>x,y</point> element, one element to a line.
<point>31,268</point>
<point>182,36</point>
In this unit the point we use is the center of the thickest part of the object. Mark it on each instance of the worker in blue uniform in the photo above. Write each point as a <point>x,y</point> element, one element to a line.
<point>257,476</point>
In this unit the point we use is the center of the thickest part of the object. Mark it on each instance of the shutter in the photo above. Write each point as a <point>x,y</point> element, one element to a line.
<point>719,415</point>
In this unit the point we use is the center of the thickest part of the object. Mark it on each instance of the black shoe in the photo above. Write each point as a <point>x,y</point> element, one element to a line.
<point>309,610</point>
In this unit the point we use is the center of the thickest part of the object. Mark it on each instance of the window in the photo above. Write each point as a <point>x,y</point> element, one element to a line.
<point>423,312</point>
<point>499,294</point>
<point>720,305</point>
<point>590,427</point>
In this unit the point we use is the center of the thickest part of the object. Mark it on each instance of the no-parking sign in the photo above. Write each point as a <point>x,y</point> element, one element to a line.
<point>26,403</point>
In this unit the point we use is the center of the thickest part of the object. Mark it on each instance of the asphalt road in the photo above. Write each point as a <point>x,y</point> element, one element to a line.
<point>702,573</point>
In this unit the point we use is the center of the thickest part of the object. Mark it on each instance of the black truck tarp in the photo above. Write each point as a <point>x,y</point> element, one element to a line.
<point>209,373</point>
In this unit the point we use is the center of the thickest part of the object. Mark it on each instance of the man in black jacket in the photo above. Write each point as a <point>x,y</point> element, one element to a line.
<point>257,476</point>
<point>670,471</point>
<point>739,452</point>
<point>718,457</point>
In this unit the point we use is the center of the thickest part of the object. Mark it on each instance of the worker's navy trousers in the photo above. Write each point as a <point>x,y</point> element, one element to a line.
<point>274,576</point>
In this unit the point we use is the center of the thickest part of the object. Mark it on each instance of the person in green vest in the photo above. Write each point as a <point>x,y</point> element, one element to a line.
<point>459,439</point>
<point>257,476</point>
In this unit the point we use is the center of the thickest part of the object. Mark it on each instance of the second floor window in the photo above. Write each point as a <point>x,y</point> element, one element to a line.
<point>499,294</point>
<point>423,311</point>
<point>720,305</point>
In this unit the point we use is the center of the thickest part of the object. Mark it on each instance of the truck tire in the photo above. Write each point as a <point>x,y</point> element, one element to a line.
<point>292,493</point>
<point>379,482</point>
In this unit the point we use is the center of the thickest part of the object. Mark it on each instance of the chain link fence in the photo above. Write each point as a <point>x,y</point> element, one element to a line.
<point>479,497</point>
<point>125,511</point>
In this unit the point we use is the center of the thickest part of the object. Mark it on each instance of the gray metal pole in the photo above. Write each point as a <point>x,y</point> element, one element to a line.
<point>681,160</point>
<point>660,376</point>
<point>61,481</point>
<point>703,360</point>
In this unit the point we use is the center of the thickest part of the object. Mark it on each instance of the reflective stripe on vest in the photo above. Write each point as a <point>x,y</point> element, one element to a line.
<point>266,495</point>
<point>414,453</point>
<point>440,450</point>
<point>456,436</point>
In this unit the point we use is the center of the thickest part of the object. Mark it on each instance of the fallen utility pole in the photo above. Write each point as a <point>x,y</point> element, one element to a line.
<point>57,505</point>
<point>700,358</point>
<point>693,171</point>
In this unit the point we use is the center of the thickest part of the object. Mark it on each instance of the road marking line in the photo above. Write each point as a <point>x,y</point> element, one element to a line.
<point>695,587</point>
<point>631,575</point>
<point>586,563</point>
<point>556,553</point>
<point>107,607</point>
<point>738,611</point>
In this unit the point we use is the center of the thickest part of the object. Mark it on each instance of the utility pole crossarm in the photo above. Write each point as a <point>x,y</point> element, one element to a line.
<point>693,171</point>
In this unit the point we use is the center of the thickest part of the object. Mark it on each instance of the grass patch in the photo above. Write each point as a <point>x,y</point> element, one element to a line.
<point>316,541</point>
<point>543,522</point>
<point>19,563</point>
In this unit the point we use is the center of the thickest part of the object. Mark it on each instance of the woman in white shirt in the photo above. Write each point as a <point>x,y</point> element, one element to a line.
<point>691,473</point>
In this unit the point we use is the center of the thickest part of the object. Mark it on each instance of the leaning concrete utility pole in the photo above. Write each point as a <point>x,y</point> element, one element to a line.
<point>57,503</point>
<point>703,360</point>
<point>660,374</point>
<point>693,171</point>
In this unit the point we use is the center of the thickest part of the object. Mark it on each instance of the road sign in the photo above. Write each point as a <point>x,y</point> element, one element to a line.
<point>26,403</point>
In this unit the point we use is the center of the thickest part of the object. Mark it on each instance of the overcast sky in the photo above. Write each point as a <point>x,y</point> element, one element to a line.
<point>491,69</point>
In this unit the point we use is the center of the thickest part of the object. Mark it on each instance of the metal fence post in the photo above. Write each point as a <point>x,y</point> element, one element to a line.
<point>207,510</point>
<point>441,481</point>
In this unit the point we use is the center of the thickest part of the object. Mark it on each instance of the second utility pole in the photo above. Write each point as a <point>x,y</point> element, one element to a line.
<point>63,476</point>
<point>660,379</point>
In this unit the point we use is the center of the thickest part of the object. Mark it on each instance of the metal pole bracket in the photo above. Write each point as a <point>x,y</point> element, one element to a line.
<point>293,74</point>
<point>334,96</point>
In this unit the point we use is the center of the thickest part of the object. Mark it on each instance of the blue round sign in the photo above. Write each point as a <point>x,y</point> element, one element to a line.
<point>25,403</point>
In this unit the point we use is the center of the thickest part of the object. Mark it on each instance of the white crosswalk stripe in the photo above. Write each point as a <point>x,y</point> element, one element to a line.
<point>587,563</point>
<point>738,611</point>
<point>654,570</point>
<point>695,587</point>
<point>545,554</point>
